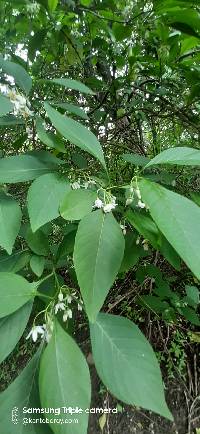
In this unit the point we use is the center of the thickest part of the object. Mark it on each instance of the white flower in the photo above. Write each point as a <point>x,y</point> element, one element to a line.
<point>60,296</point>
<point>29,132</point>
<point>113,200</point>
<point>141,204</point>
<point>80,307</point>
<point>33,8</point>
<point>123,227</point>
<point>12,94</point>
<point>129,201</point>
<point>69,299</point>
<point>67,314</point>
<point>75,185</point>
<point>35,331</point>
<point>98,203</point>
<point>173,183</point>
<point>20,99</point>
<point>138,194</point>
<point>86,185</point>
<point>145,247</point>
<point>48,329</point>
<point>59,306</point>
<point>137,241</point>
<point>26,112</point>
<point>109,206</point>
<point>4,89</point>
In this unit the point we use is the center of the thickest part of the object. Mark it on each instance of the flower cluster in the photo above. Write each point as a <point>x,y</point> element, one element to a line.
<point>77,184</point>
<point>63,305</point>
<point>137,193</point>
<point>108,205</point>
<point>33,8</point>
<point>20,103</point>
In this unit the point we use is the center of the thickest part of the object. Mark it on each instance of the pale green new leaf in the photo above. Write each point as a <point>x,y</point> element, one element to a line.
<point>76,204</point>
<point>11,329</point>
<point>178,218</point>
<point>44,197</point>
<point>73,84</point>
<point>98,253</point>
<point>15,291</point>
<point>182,156</point>
<point>76,133</point>
<point>64,380</point>
<point>10,221</point>
<point>127,364</point>
<point>5,105</point>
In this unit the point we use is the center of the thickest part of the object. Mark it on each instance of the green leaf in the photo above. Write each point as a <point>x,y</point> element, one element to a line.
<point>121,31</point>
<point>52,4</point>
<point>153,303</point>
<point>190,315</point>
<point>76,133</point>
<point>5,105</point>
<point>195,197</point>
<point>181,156</point>
<point>21,168</point>
<point>73,84</point>
<point>127,364</point>
<point>21,77</point>
<point>44,197</point>
<point>66,246</point>
<point>72,109</point>
<point>77,203</point>
<point>148,229</point>
<point>22,394</point>
<point>185,20</point>
<point>15,262</point>
<point>11,329</point>
<point>37,241</point>
<point>64,380</point>
<point>15,291</point>
<point>35,43</point>
<point>10,120</point>
<point>98,253</point>
<point>136,159</point>
<point>37,264</point>
<point>48,138</point>
<point>79,160</point>
<point>10,221</point>
<point>179,220</point>
<point>193,295</point>
<point>132,252</point>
